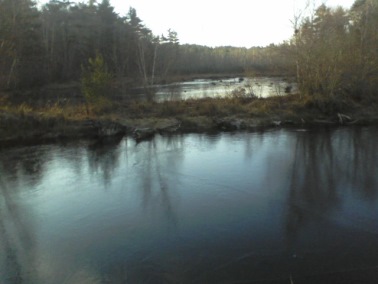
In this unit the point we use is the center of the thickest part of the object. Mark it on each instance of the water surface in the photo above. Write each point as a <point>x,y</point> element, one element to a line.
<point>295,204</point>
<point>261,87</point>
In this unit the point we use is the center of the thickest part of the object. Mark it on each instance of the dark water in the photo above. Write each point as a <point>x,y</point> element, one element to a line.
<point>289,206</point>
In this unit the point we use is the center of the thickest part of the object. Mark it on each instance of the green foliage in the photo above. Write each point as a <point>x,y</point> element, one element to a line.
<point>95,82</point>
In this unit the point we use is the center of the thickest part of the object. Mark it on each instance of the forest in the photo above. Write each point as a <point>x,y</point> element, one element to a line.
<point>51,45</point>
<point>332,50</point>
<point>332,55</point>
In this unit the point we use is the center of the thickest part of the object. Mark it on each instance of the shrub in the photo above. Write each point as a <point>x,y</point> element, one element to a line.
<point>95,83</point>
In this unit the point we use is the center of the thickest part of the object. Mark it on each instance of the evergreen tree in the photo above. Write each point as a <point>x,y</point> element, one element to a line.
<point>95,82</point>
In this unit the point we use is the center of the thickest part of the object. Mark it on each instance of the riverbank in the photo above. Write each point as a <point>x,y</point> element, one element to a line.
<point>24,123</point>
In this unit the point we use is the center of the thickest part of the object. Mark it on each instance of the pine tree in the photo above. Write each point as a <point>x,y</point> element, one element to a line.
<point>95,82</point>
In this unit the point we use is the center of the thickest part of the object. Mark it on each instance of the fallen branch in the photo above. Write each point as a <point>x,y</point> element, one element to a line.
<point>343,117</point>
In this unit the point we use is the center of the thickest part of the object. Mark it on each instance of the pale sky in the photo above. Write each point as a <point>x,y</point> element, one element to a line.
<point>221,22</point>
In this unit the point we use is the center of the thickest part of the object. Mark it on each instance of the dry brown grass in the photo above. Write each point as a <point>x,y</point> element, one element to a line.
<point>23,120</point>
<point>290,106</point>
<point>191,107</point>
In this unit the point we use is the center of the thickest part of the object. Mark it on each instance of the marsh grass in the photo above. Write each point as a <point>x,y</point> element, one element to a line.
<point>194,113</point>
<point>212,107</point>
<point>289,105</point>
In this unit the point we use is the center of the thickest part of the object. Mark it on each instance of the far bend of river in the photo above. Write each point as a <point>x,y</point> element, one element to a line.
<point>202,88</point>
<point>288,206</point>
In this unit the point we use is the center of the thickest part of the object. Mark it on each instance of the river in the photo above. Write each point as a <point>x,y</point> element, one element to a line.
<point>286,205</point>
<point>261,87</point>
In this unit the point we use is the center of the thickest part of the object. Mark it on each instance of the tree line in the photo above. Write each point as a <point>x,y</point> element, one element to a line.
<point>234,60</point>
<point>39,46</point>
<point>332,51</point>
<point>50,44</point>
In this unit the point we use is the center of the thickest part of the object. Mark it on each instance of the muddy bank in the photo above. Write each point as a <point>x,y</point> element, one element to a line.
<point>34,128</point>
<point>143,119</point>
<point>18,129</point>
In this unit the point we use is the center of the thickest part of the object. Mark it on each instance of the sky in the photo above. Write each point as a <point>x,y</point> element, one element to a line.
<point>242,23</point>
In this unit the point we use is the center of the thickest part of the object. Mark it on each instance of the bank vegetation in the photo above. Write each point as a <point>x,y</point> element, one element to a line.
<point>332,54</point>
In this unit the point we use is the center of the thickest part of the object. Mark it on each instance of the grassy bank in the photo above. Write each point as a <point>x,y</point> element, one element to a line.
<point>24,122</point>
<point>293,108</point>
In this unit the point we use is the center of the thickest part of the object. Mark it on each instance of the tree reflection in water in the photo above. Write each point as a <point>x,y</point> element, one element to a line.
<point>17,240</point>
<point>327,166</point>
<point>103,157</point>
<point>152,165</point>
<point>182,207</point>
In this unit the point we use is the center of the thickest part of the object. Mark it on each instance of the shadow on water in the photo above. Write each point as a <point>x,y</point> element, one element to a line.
<point>223,208</point>
<point>327,165</point>
<point>155,182</point>
<point>103,157</point>
<point>156,190</point>
<point>328,168</point>
<point>17,240</point>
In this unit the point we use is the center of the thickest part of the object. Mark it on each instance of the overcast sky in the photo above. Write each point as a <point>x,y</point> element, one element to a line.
<point>221,22</point>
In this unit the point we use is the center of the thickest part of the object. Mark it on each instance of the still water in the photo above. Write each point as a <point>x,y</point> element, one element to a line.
<point>261,87</point>
<point>291,206</point>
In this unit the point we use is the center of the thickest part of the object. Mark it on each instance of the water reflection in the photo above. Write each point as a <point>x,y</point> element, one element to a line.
<point>361,167</point>
<point>103,157</point>
<point>201,88</point>
<point>329,168</point>
<point>191,208</point>
<point>156,191</point>
<point>30,168</point>
<point>312,183</point>
<point>17,241</point>
<point>328,164</point>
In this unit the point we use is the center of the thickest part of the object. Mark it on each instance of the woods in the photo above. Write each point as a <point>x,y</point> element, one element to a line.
<point>332,51</point>
<point>64,63</point>
<point>51,44</point>
<point>336,51</point>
